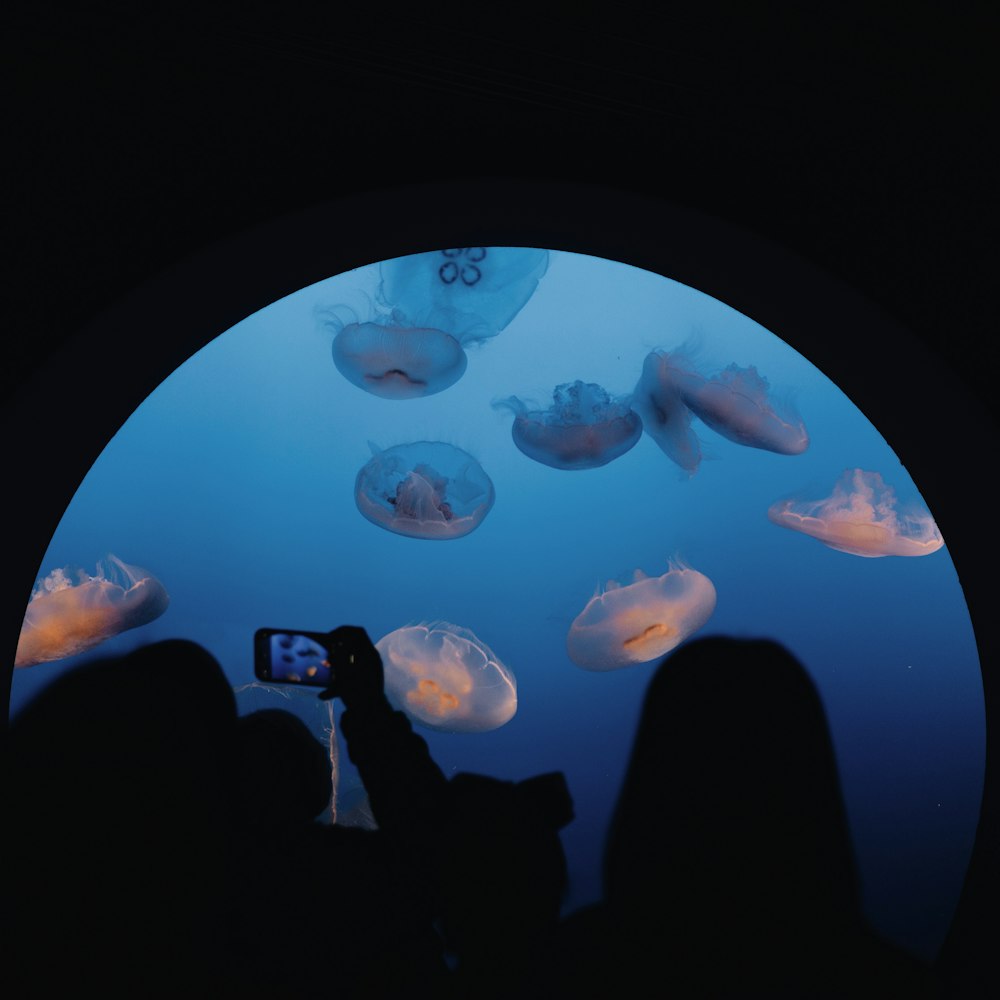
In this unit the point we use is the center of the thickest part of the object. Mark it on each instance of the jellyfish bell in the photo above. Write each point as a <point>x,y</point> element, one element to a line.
<point>640,621</point>
<point>665,417</point>
<point>584,428</point>
<point>862,518</point>
<point>424,489</point>
<point>471,293</point>
<point>445,677</point>
<point>398,362</point>
<point>428,307</point>
<point>65,617</point>
<point>738,404</point>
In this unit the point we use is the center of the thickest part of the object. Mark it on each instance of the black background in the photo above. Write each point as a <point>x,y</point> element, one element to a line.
<point>859,139</point>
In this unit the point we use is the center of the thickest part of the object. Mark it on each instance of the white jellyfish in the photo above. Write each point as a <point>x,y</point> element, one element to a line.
<point>424,489</point>
<point>737,403</point>
<point>445,677</point>
<point>471,293</point>
<point>642,620</point>
<point>431,306</point>
<point>861,517</point>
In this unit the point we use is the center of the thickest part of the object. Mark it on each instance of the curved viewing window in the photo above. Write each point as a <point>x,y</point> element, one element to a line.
<point>477,441</point>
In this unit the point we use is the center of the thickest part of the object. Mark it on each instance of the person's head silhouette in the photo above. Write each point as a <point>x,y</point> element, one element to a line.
<point>284,770</point>
<point>731,811</point>
<point>121,786</point>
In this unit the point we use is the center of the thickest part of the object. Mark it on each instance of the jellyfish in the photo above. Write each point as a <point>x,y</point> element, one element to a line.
<point>738,404</point>
<point>431,306</point>
<point>471,293</point>
<point>665,417</point>
<point>860,517</point>
<point>65,617</point>
<point>640,621</point>
<point>444,677</point>
<point>398,362</point>
<point>584,428</point>
<point>425,489</point>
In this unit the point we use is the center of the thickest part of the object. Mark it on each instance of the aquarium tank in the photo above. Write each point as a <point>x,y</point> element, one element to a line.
<point>530,474</point>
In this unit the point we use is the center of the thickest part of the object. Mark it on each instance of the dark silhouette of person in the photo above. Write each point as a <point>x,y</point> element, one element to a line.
<point>504,878</point>
<point>483,855</point>
<point>323,909</point>
<point>473,866</point>
<point>728,868</point>
<point>118,826</point>
<point>167,846</point>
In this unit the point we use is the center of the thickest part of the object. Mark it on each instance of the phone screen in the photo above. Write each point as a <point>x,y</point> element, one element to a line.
<point>289,656</point>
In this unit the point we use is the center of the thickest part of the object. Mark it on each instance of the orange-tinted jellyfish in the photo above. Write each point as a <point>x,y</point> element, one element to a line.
<point>470,293</point>
<point>67,616</point>
<point>424,489</point>
<point>584,428</point>
<point>445,677</point>
<point>640,621</point>
<point>861,517</point>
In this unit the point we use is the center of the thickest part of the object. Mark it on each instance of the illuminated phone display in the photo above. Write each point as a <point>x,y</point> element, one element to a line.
<point>290,657</point>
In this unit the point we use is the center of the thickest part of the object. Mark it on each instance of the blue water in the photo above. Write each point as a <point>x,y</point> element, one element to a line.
<point>233,484</point>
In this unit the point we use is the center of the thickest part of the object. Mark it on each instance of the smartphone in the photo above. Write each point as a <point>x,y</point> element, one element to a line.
<point>291,656</point>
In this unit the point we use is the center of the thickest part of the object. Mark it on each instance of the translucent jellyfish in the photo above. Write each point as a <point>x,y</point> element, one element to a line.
<point>471,293</point>
<point>738,404</point>
<point>398,362</point>
<point>584,427</point>
<point>66,616</point>
<point>665,417</point>
<point>444,677</point>
<point>425,489</point>
<point>431,306</point>
<point>861,517</point>
<point>642,620</point>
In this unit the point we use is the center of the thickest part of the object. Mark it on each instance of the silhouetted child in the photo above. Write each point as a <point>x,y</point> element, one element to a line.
<point>504,877</point>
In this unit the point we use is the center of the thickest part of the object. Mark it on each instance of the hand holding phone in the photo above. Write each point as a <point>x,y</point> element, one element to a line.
<point>343,662</point>
<point>359,678</point>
